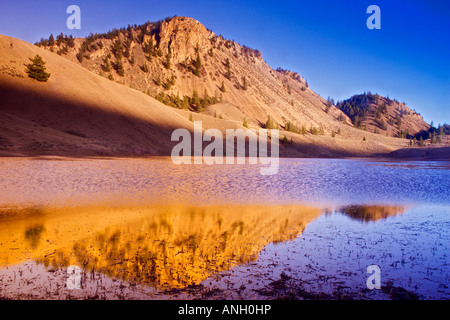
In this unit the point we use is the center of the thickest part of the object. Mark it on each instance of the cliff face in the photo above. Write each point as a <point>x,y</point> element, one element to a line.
<point>182,37</point>
<point>175,57</point>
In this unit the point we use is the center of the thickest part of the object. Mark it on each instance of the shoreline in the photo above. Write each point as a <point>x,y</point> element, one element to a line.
<point>439,153</point>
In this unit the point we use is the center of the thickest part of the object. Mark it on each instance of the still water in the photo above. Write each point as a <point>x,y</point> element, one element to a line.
<point>148,229</point>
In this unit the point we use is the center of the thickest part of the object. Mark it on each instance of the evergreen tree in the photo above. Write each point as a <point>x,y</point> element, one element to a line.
<point>144,68</point>
<point>228,66</point>
<point>167,61</point>
<point>205,101</point>
<point>244,83</point>
<point>169,83</point>
<point>118,66</point>
<point>70,41</point>
<point>303,130</point>
<point>195,101</point>
<point>105,66</point>
<point>357,122</point>
<point>269,123</point>
<point>51,40</point>
<point>36,69</point>
<point>117,49</point>
<point>330,102</point>
<point>197,65</point>
<point>59,39</point>
<point>222,88</point>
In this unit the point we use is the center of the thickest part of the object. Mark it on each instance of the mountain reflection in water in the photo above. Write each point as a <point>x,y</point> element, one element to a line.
<point>366,213</point>
<point>163,246</point>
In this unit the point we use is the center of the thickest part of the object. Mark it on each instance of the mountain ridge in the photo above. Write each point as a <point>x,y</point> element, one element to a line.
<point>202,75</point>
<point>160,59</point>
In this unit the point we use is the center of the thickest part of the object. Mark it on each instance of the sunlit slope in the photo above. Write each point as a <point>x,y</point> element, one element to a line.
<point>76,112</point>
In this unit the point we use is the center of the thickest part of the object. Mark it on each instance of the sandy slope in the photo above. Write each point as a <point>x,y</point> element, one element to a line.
<point>76,112</point>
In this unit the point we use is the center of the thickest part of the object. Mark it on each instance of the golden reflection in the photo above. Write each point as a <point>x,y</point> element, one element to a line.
<point>165,246</point>
<point>368,213</point>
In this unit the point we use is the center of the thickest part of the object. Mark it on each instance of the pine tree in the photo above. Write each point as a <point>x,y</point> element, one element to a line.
<point>117,49</point>
<point>168,59</point>
<point>303,129</point>
<point>105,66</point>
<point>222,88</point>
<point>228,66</point>
<point>329,104</point>
<point>59,39</point>
<point>70,41</point>
<point>197,65</point>
<point>195,101</point>
<point>36,69</point>
<point>244,83</point>
<point>118,66</point>
<point>269,123</point>
<point>51,40</point>
<point>144,68</point>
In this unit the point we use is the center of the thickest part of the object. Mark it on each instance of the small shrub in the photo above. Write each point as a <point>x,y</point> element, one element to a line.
<point>269,123</point>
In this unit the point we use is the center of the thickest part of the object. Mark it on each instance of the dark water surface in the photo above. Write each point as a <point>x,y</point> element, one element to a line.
<point>140,228</point>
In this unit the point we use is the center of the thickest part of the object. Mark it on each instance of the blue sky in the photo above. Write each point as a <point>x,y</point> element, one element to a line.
<point>327,42</point>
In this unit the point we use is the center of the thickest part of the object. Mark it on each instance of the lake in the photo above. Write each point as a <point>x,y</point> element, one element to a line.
<point>149,229</point>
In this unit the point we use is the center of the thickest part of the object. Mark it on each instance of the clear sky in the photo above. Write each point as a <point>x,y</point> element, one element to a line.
<point>327,42</point>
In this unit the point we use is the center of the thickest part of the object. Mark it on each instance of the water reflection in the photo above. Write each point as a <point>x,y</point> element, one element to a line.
<point>162,246</point>
<point>366,213</point>
<point>33,235</point>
